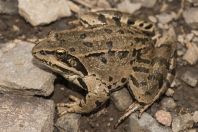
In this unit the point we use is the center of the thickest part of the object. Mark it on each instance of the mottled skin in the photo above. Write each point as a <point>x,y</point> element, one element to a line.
<point>113,50</point>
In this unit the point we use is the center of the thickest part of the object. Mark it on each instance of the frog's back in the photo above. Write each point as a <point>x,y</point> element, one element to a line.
<point>108,51</point>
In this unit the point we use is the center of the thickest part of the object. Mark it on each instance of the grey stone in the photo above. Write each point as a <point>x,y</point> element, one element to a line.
<point>19,75</point>
<point>168,103</point>
<point>8,6</point>
<point>182,122</point>
<point>127,6</point>
<point>180,49</point>
<point>145,123</point>
<point>191,55</point>
<point>195,2</point>
<point>165,18</point>
<point>192,130</point>
<point>146,3</point>
<point>68,123</point>
<point>122,99</point>
<point>195,116</point>
<point>26,114</point>
<point>170,92</point>
<point>190,77</point>
<point>43,12</point>
<point>191,17</point>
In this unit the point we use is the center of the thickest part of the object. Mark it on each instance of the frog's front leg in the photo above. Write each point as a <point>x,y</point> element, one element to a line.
<point>96,96</point>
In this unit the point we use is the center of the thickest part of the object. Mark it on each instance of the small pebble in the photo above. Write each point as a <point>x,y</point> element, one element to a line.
<point>163,117</point>
<point>111,119</point>
<point>190,77</point>
<point>170,92</point>
<point>182,122</point>
<point>168,103</point>
<point>152,19</point>
<point>195,116</point>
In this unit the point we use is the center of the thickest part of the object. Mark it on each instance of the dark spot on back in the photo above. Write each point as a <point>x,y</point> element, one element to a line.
<point>62,40</point>
<point>83,36</point>
<point>102,18</point>
<point>71,49</point>
<point>108,30</point>
<point>141,69</point>
<point>123,80</point>
<point>131,32</point>
<point>111,53</point>
<point>95,54</point>
<point>110,78</point>
<point>104,60</point>
<point>132,43</point>
<point>149,26</point>
<point>122,54</point>
<point>117,21</point>
<point>146,61</point>
<point>135,82</point>
<point>109,45</point>
<point>136,53</point>
<point>143,83</point>
<point>173,71</point>
<point>121,31</point>
<point>130,22</point>
<point>80,104</point>
<point>88,44</point>
<point>131,62</point>
<point>148,93</point>
<point>156,76</point>
<point>141,24</point>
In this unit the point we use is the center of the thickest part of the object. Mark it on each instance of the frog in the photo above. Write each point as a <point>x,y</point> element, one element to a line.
<point>111,51</point>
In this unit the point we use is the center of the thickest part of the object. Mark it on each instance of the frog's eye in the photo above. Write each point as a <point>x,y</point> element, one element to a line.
<point>60,52</point>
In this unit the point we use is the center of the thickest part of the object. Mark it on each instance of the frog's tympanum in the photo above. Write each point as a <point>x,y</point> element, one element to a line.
<point>110,51</point>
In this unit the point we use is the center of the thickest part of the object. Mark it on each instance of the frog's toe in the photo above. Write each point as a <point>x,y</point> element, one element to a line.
<point>71,107</point>
<point>132,108</point>
<point>73,98</point>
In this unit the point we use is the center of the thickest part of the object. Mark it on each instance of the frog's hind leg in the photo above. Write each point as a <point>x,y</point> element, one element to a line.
<point>132,108</point>
<point>96,96</point>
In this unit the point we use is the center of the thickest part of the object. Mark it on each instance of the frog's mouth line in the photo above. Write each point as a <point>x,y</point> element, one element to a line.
<point>56,65</point>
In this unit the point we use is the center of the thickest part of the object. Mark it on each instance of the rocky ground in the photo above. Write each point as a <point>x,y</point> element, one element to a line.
<point>29,94</point>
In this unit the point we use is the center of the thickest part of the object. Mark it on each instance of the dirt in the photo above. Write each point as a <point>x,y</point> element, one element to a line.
<point>105,118</point>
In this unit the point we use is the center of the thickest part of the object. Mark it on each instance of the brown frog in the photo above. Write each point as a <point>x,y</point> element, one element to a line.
<point>112,50</point>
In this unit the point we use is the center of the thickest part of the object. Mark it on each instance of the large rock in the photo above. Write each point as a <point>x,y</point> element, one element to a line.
<point>26,114</point>
<point>19,75</point>
<point>182,122</point>
<point>8,6</point>
<point>191,17</point>
<point>146,124</point>
<point>43,11</point>
<point>68,123</point>
<point>122,99</point>
<point>190,77</point>
<point>127,6</point>
<point>146,3</point>
<point>191,55</point>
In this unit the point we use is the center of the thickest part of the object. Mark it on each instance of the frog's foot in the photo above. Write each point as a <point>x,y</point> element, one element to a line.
<point>72,107</point>
<point>132,108</point>
<point>96,96</point>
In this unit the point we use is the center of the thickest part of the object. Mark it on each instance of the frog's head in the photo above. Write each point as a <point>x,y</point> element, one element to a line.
<point>58,58</point>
